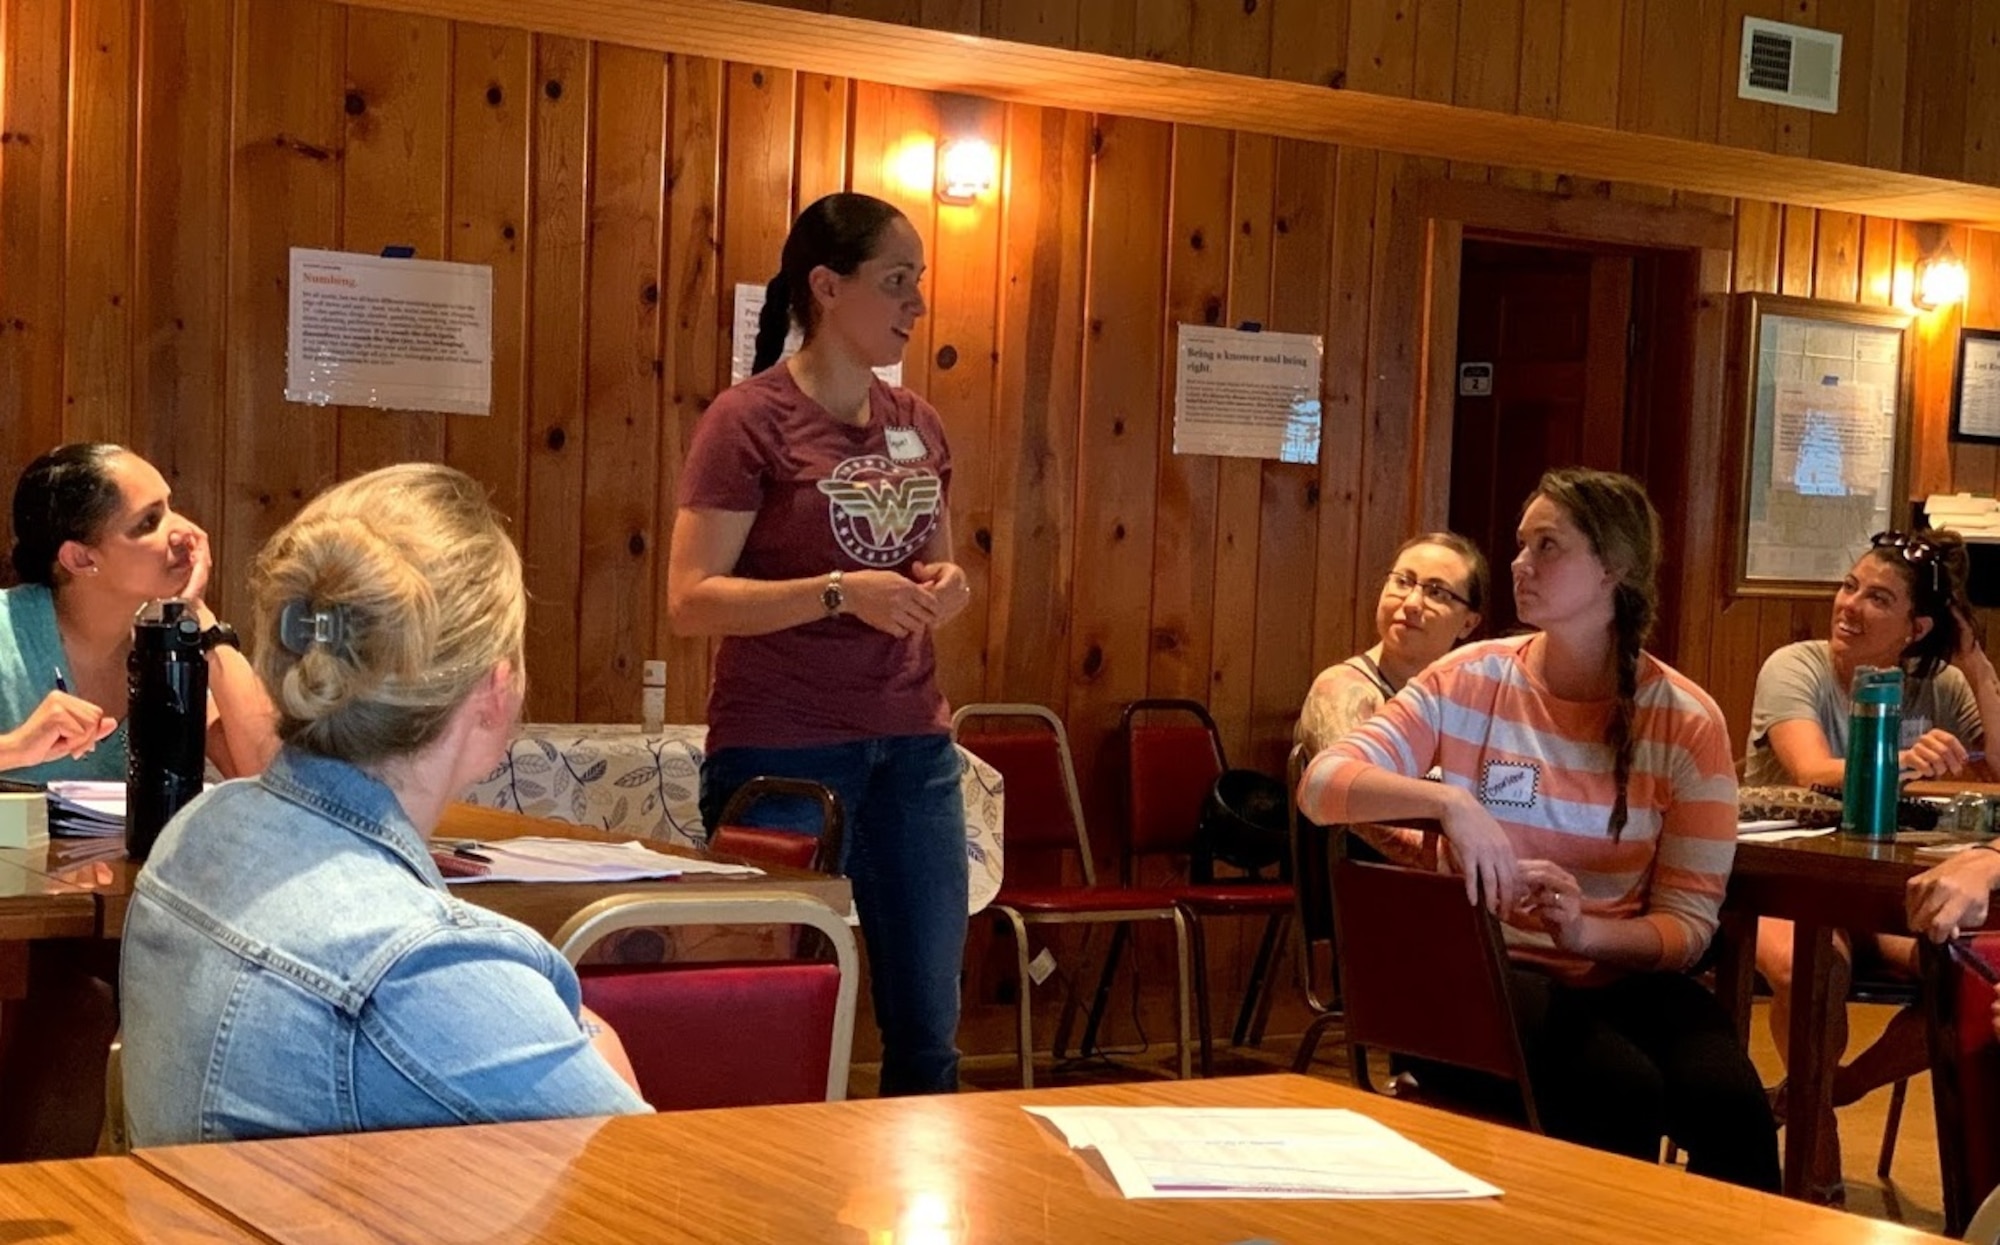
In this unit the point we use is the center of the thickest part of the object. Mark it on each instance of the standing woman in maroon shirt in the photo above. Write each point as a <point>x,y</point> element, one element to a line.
<point>813,537</point>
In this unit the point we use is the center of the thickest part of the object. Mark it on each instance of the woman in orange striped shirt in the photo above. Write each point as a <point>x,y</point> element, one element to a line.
<point>1589,798</point>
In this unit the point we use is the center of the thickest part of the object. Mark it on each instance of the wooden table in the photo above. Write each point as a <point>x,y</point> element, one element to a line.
<point>960,1168</point>
<point>87,871</point>
<point>1821,884</point>
<point>89,1201</point>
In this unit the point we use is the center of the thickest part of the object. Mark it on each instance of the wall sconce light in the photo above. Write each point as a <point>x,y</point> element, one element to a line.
<point>1939,280</point>
<point>966,169</point>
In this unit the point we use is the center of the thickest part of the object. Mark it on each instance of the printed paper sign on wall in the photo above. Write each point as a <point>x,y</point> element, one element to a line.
<point>402,334</point>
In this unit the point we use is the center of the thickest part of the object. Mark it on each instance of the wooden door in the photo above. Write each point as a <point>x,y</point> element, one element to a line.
<point>1553,325</point>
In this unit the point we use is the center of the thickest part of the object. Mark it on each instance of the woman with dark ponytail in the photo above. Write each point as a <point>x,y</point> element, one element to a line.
<point>1902,605</point>
<point>813,537</point>
<point>1589,797</point>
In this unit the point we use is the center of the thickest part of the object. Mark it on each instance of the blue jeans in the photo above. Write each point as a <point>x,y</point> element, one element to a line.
<point>905,855</point>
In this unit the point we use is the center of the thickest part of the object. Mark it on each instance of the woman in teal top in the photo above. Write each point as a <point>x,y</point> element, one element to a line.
<point>96,537</point>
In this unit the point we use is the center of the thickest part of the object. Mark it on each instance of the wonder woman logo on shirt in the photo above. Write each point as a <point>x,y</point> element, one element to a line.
<point>882,513</point>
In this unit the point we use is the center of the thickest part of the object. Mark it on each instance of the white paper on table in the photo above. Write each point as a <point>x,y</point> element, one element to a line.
<point>1255,1152</point>
<point>1777,831</point>
<point>578,860</point>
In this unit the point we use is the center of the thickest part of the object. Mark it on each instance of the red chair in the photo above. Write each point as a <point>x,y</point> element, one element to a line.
<point>1043,817</point>
<point>1424,973</point>
<point>759,845</point>
<point>684,1024</point>
<point>1171,768</point>
<point>1965,1060</point>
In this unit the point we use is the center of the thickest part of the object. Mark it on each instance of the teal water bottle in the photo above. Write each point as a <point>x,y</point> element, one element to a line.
<point>1874,745</point>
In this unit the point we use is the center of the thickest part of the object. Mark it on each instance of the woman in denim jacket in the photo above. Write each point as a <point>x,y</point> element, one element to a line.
<point>293,963</point>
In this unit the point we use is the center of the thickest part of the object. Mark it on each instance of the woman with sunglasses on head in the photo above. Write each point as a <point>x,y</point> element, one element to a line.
<point>1902,605</point>
<point>1587,795</point>
<point>1430,603</point>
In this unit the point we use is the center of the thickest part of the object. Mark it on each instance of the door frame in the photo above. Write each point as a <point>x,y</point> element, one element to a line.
<point>1428,217</point>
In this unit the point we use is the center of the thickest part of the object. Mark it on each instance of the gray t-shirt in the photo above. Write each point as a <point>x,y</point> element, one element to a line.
<point>1797,684</point>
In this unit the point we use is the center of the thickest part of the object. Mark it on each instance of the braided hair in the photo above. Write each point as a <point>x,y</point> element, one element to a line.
<point>1616,517</point>
<point>838,232</point>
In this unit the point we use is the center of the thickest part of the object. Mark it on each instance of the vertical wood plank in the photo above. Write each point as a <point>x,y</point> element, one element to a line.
<point>1117,448</point>
<point>181,308</point>
<point>699,307</point>
<point>1382,47</point>
<point>1795,125</point>
<point>488,193</point>
<point>1878,261</point>
<point>1239,481</point>
<point>1936,339</point>
<point>1050,23</point>
<point>1672,77</point>
<point>1041,366</point>
<point>1745,122</point>
<point>1934,125</point>
<point>393,190</point>
<point>1542,57</point>
<point>1435,70</point>
<point>1888,84</point>
<point>1593,41</point>
<point>1163,30</point>
<point>1392,466</point>
<point>964,385</point>
<point>97,276</point>
<point>1798,249</point>
<point>1837,265</point>
<point>1981,159</point>
<point>1286,545</point>
<point>559,222</point>
<point>1488,73</point>
<point>1231,36</point>
<point>1107,26</point>
<point>822,138</point>
<point>33,95</point>
<point>1309,41</point>
<point>1198,244</point>
<point>622,375</point>
<point>1843,136</point>
<point>284,191</point>
<point>960,16</point>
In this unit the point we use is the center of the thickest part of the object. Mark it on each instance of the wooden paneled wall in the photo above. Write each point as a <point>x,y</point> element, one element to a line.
<point>1913,71</point>
<point>160,156</point>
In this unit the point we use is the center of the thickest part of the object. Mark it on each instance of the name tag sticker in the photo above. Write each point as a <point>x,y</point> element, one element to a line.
<point>1512,783</point>
<point>906,445</point>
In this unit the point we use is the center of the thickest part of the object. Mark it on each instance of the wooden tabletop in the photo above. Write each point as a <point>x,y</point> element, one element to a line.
<point>89,1201</point>
<point>87,872</point>
<point>969,1168</point>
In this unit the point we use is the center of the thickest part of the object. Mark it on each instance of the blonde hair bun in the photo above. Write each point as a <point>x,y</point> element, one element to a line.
<point>417,591</point>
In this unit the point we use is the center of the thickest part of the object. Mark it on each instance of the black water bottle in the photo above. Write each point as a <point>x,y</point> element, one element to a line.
<point>166,684</point>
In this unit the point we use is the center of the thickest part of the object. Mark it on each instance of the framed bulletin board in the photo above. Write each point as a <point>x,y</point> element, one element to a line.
<point>1826,429</point>
<point>1975,387</point>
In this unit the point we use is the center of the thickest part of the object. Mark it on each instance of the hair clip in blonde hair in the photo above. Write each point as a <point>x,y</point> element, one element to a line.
<point>300,626</point>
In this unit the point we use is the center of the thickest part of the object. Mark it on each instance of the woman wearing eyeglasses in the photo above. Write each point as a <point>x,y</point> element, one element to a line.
<point>1903,604</point>
<point>1430,602</point>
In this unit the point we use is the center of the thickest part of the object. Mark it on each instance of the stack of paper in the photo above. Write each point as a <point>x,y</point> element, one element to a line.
<point>576,860</point>
<point>1972,517</point>
<point>87,810</point>
<point>1154,1152</point>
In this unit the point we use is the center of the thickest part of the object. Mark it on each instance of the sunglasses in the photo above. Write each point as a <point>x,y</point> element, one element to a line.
<point>1915,550</point>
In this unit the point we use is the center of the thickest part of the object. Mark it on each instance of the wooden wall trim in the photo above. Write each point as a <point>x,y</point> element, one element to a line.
<point>1482,205</point>
<point>1059,77</point>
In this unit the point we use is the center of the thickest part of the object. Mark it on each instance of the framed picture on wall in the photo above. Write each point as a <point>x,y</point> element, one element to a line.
<point>1975,387</point>
<point>1826,428</point>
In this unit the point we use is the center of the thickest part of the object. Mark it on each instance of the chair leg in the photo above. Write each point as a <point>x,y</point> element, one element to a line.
<point>1181,1015</point>
<point>1086,970</point>
<point>1023,1002</point>
<point>1890,1126</point>
<point>1198,954</point>
<point>1357,1066</point>
<point>1258,986</point>
<point>1101,1002</point>
<point>1309,1041</point>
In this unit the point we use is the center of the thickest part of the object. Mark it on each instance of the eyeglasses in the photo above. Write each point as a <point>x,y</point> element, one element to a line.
<point>1915,550</point>
<point>1437,592</point>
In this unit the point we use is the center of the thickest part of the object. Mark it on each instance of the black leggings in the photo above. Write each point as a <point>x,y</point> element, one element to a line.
<point>1617,1067</point>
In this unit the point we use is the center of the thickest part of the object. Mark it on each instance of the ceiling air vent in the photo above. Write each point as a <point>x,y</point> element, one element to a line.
<point>1793,65</point>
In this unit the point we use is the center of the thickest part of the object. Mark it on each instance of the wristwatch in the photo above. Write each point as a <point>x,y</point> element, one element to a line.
<point>219,635</point>
<point>831,596</point>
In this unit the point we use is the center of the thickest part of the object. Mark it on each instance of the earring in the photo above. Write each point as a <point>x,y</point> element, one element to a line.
<point>93,570</point>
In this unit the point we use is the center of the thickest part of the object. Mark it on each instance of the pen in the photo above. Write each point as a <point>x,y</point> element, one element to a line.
<point>1959,950</point>
<point>469,851</point>
<point>62,684</point>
